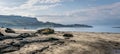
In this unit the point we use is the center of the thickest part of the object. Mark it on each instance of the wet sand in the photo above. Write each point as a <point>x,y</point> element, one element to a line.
<point>80,43</point>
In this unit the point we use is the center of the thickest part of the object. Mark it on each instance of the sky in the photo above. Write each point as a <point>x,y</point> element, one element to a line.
<point>92,12</point>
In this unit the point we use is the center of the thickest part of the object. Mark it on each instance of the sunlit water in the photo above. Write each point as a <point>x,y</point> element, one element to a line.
<point>95,29</point>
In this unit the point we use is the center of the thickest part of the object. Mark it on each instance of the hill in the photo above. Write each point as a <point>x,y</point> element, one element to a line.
<point>12,20</point>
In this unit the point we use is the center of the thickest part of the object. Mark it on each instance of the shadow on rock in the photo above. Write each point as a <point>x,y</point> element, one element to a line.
<point>19,37</point>
<point>9,30</point>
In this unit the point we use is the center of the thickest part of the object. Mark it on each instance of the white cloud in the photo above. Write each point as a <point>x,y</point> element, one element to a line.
<point>28,8</point>
<point>104,10</point>
<point>31,3</point>
<point>49,1</point>
<point>75,16</point>
<point>110,11</point>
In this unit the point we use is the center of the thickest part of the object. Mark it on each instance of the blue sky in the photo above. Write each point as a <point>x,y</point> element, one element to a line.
<point>93,12</point>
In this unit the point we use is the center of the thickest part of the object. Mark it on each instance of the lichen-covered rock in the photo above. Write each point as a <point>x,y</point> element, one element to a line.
<point>8,30</point>
<point>46,31</point>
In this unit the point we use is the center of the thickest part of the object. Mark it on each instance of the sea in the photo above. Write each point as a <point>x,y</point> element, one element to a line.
<point>76,29</point>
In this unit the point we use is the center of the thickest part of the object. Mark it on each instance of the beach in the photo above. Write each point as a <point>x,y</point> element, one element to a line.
<point>80,43</point>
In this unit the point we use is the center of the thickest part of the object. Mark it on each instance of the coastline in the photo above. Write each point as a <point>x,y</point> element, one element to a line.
<point>80,43</point>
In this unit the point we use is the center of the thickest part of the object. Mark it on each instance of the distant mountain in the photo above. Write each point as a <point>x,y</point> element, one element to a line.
<point>30,21</point>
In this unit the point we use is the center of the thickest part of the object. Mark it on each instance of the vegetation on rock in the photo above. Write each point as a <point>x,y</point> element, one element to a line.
<point>46,31</point>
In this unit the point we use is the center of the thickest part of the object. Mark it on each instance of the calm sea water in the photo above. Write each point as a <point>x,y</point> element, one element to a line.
<point>95,29</point>
<point>78,29</point>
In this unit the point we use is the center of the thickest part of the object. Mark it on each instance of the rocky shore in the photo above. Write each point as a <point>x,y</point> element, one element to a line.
<point>39,42</point>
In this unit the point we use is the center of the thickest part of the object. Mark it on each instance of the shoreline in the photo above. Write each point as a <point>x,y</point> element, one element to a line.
<point>75,30</point>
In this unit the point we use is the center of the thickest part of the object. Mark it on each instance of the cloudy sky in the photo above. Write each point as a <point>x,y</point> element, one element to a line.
<point>93,12</point>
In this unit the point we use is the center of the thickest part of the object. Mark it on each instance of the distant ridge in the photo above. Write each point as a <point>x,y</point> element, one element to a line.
<point>12,20</point>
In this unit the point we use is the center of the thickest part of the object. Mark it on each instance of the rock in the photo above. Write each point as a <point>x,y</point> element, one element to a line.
<point>59,43</point>
<point>34,34</point>
<point>39,51</point>
<point>9,49</point>
<point>24,35</point>
<point>45,31</point>
<point>1,34</point>
<point>67,36</point>
<point>19,38</point>
<point>8,30</point>
<point>53,39</point>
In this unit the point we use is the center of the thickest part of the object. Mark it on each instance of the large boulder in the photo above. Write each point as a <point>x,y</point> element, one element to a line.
<point>67,36</point>
<point>8,30</point>
<point>46,31</point>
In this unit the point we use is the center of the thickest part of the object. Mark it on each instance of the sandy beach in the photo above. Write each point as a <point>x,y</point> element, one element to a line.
<point>80,43</point>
